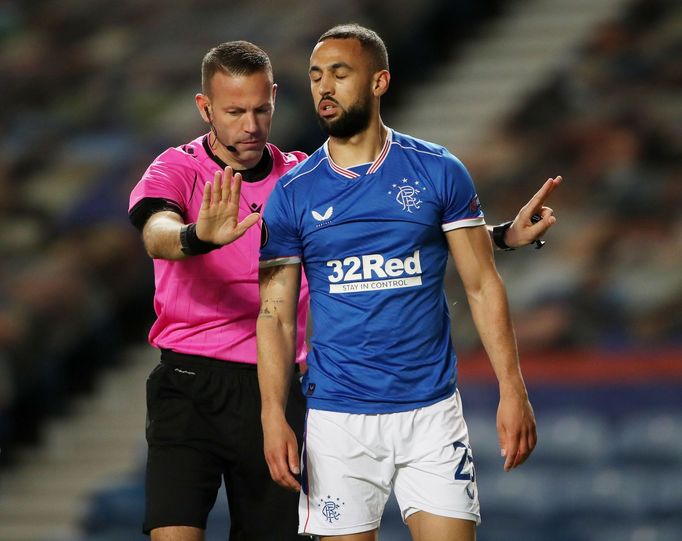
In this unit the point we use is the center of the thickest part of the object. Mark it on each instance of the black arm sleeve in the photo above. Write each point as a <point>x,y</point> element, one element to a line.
<point>141,212</point>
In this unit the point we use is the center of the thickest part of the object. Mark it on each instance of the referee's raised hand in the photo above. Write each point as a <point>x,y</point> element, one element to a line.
<point>218,220</point>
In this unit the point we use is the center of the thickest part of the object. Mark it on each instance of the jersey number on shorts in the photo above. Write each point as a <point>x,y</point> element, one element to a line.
<point>460,474</point>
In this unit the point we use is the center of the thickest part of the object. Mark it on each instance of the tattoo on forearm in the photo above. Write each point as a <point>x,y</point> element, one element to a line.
<point>269,307</point>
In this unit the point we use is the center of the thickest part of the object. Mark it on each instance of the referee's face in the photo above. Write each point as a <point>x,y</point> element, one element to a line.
<point>241,110</point>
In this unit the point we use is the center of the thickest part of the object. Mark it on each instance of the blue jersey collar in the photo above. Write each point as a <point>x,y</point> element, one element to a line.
<point>348,173</point>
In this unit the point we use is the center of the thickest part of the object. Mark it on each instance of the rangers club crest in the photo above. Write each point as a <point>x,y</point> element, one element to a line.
<point>330,509</point>
<point>407,194</point>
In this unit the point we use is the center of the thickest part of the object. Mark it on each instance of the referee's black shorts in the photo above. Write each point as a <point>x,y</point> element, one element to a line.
<point>203,424</point>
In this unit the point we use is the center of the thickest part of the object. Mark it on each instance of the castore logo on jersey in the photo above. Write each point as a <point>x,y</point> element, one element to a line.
<point>323,217</point>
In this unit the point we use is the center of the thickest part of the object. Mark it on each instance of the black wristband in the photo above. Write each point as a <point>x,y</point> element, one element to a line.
<point>498,236</point>
<point>191,244</point>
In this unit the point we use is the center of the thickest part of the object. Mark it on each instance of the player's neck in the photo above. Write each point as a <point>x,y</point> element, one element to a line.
<point>363,147</point>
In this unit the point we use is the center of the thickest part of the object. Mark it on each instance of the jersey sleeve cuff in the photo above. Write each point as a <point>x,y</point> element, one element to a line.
<point>468,222</point>
<point>276,262</point>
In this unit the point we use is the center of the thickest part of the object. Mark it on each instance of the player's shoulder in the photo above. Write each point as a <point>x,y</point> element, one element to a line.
<point>428,152</point>
<point>410,143</point>
<point>301,175</point>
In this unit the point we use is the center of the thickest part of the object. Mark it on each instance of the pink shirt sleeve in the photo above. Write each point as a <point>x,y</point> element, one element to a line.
<point>169,178</point>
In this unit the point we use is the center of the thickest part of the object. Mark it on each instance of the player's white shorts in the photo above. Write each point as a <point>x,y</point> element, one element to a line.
<point>351,461</point>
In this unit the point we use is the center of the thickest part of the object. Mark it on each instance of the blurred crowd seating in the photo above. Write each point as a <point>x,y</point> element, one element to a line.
<point>610,121</point>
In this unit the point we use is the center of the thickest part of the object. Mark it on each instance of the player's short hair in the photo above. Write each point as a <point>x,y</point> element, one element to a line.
<point>369,39</point>
<point>233,58</point>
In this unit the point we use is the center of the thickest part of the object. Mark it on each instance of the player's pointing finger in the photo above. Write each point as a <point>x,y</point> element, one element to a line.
<point>536,202</point>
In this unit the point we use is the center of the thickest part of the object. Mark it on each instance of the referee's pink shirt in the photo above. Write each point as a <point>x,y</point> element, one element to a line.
<point>207,305</point>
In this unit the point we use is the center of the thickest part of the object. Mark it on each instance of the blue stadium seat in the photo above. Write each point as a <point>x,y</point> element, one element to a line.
<point>571,438</point>
<point>649,438</point>
<point>392,527</point>
<point>115,513</point>
<point>218,525</point>
<point>528,492</point>
<point>665,491</point>
<point>628,531</point>
<point>519,528</point>
<point>483,438</point>
<point>116,507</point>
<point>608,493</point>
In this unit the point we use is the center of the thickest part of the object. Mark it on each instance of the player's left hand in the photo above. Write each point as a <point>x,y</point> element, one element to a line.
<point>515,427</point>
<point>523,230</point>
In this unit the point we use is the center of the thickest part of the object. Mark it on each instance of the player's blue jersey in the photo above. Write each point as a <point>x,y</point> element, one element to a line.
<point>371,240</point>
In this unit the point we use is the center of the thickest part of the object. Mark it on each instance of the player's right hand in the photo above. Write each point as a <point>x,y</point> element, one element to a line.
<point>281,453</point>
<point>516,427</point>
<point>218,220</point>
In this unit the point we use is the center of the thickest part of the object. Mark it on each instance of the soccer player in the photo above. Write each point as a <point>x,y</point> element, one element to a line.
<point>372,216</point>
<point>196,206</point>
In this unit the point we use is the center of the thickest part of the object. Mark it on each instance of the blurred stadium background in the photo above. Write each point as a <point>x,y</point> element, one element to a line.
<point>520,90</point>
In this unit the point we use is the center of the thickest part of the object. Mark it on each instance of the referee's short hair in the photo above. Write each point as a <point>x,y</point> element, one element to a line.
<point>369,39</point>
<point>233,58</point>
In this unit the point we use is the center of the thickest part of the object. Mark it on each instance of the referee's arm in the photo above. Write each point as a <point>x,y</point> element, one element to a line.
<point>276,338</point>
<point>161,235</point>
<point>166,236</point>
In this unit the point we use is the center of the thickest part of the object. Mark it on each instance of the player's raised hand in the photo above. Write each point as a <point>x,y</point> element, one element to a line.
<point>218,220</point>
<point>524,229</point>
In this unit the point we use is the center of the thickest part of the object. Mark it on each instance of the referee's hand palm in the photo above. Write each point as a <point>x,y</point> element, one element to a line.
<point>218,220</point>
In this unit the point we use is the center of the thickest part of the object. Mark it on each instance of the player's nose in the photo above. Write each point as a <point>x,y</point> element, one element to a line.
<point>325,86</point>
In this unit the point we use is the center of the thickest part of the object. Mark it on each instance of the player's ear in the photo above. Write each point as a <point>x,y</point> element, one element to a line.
<point>274,92</point>
<point>381,81</point>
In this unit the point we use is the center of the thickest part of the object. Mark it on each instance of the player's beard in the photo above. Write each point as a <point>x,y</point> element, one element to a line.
<point>350,122</point>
